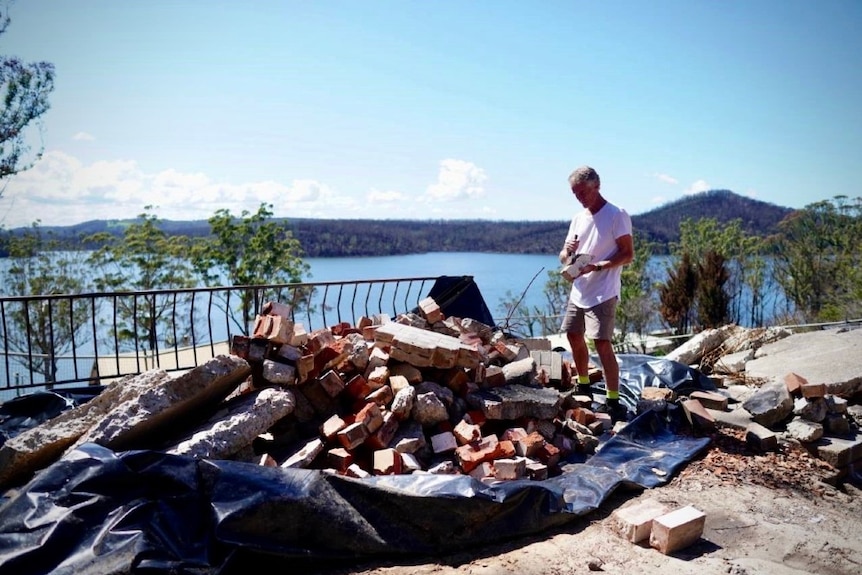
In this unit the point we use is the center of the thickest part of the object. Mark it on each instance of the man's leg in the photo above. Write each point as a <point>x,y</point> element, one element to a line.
<point>573,327</point>
<point>580,352</point>
<point>610,366</point>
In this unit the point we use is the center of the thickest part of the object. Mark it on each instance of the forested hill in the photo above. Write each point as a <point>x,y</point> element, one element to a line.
<point>340,238</point>
<point>661,225</point>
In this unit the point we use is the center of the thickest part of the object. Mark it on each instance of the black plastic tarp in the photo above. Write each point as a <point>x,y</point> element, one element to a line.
<point>459,296</point>
<point>97,511</point>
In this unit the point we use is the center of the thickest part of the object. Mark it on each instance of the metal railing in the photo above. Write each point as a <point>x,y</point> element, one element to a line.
<point>54,341</point>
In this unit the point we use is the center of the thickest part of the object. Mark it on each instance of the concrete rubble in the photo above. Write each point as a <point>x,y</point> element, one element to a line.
<point>784,387</point>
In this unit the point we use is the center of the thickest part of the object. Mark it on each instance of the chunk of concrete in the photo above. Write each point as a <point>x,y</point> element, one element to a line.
<point>515,401</point>
<point>247,417</point>
<point>804,430</point>
<point>40,446</point>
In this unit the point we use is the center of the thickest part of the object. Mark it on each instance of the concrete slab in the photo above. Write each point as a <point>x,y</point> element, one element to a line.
<point>827,356</point>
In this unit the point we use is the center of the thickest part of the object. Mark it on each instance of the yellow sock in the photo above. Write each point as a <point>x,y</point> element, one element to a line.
<point>583,380</point>
<point>613,394</point>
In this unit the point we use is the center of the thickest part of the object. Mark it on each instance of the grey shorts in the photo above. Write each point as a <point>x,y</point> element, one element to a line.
<point>596,322</point>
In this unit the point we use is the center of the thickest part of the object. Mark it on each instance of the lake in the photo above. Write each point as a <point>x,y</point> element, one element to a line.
<point>495,274</point>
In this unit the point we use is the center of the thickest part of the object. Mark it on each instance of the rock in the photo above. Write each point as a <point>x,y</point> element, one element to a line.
<point>770,404</point>
<point>814,409</point>
<point>836,424</point>
<point>428,410</point>
<point>804,430</point>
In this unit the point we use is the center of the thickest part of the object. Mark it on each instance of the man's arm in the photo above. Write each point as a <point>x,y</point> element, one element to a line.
<point>624,255</point>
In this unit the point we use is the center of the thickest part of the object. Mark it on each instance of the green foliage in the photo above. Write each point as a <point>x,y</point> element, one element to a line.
<point>636,308</point>
<point>24,88</point>
<point>250,251</point>
<point>144,258</point>
<point>41,331</point>
<point>742,273</point>
<point>817,259</point>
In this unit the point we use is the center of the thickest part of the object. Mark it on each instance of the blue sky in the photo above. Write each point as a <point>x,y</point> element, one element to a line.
<point>430,110</point>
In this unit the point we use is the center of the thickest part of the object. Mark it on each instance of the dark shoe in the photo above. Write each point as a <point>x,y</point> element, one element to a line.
<point>584,389</point>
<point>618,412</point>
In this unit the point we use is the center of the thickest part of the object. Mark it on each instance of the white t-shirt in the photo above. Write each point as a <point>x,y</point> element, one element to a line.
<point>597,234</point>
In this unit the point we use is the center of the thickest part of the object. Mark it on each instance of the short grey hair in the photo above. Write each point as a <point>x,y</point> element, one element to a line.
<point>584,174</point>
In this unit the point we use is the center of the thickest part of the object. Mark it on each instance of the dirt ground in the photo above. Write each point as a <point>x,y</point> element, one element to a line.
<point>765,513</point>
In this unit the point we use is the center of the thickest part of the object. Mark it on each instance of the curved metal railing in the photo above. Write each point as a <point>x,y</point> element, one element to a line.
<point>54,341</point>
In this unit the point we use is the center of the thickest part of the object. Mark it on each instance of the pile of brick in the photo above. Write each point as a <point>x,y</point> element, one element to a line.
<point>420,393</point>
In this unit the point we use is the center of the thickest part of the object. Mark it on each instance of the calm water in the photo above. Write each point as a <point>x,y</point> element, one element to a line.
<point>495,274</point>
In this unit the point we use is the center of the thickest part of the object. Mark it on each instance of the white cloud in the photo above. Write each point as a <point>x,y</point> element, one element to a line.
<point>83,137</point>
<point>697,187</point>
<point>457,179</point>
<point>61,190</point>
<point>666,179</point>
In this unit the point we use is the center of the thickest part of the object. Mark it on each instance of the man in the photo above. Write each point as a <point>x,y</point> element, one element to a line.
<point>603,231</point>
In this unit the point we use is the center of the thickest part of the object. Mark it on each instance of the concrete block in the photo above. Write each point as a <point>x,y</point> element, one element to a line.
<point>760,437</point>
<point>677,530</point>
<point>710,399</point>
<point>510,468</point>
<point>697,415</point>
<point>634,523</point>
<point>304,456</point>
<point>839,451</point>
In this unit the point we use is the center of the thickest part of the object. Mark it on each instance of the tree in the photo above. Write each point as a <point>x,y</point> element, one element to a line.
<point>817,259</point>
<point>144,259</point>
<point>25,88</point>
<point>677,295</point>
<point>712,299</point>
<point>249,251</point>
<point>41,331</point>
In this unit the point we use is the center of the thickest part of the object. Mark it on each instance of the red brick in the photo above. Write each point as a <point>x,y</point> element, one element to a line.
<point>813,390</point>
<point>357,387</point>
<point>794,383</point>
<point>332,383</point>
<point>387,462</point>
<point>330,427</point>
<point>371,417</point>
<point>339,458</point>
<point>467,432</point>
<point>471,455</point>
<point>381,438</point>
<point>529,445</point>
<point>353,435</point>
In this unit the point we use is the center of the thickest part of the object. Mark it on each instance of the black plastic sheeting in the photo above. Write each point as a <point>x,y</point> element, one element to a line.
<point>459,296</point>
<point>97,511</point>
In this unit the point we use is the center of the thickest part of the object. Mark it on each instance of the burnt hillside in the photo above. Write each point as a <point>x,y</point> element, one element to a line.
<point>345,238</point>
